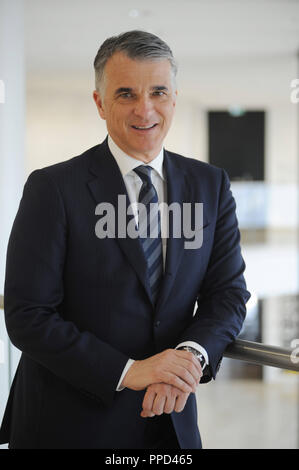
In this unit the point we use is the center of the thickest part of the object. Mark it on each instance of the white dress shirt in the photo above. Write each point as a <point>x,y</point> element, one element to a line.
<point>133,185</point>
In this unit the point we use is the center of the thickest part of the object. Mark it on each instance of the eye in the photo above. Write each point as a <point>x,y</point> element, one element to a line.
<point>159,93</point>
<point>126,95</point>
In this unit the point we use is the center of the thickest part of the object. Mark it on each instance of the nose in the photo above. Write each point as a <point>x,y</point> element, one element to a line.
<point>143,107</point>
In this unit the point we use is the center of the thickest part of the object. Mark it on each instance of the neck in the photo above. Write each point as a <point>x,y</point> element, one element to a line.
<point>145,157</point>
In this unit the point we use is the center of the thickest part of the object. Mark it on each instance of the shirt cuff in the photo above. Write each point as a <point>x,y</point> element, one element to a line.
<point>127,367</point>
<point>198,348</point>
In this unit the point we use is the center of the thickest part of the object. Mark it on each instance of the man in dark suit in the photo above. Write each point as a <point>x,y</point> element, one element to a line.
<point>112,346</point>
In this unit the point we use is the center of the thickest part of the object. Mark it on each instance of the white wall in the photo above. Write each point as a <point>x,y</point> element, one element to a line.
<point>12,114</point>
<point>62,119</point>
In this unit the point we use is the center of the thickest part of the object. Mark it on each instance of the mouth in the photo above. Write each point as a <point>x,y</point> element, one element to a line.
<point>144,128</point>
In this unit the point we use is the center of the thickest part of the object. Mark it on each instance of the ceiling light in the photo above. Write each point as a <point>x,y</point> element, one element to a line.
<point>236,111</point>
<point>134,13</point>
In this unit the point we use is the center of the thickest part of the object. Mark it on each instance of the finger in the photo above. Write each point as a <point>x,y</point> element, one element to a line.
<point>158,406</point>
<point>187,377</point>
<point>148,401</point>
<point>147,414</point>
<point>190,361</point>
<point>177,382</point>
<point>180,402</point>
<point>193,366</point>
<point>170,403</point>
<point>191,379</point>
<point>194,369</point>
<point>174,369</point>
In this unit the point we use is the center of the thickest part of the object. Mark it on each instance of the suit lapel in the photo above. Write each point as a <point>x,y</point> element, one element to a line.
<point>106,185</point>
<point>177,192</point>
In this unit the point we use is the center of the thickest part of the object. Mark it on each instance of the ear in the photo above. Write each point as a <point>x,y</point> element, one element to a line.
<point>99,104</point>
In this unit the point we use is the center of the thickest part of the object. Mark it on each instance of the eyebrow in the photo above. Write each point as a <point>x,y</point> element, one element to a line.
<point>129,90</point>
<point>123,90</point>
<point>160,88</point>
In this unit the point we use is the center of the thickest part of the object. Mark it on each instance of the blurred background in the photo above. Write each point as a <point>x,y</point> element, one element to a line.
<point>237,108</point>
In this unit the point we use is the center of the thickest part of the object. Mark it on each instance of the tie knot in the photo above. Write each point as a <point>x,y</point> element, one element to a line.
<point>144,172</point>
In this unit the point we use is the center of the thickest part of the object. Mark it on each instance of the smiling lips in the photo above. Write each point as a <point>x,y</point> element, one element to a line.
<point>144,128</point>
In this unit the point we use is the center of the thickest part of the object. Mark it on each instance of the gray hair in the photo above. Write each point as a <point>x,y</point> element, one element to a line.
<point>139,45</point>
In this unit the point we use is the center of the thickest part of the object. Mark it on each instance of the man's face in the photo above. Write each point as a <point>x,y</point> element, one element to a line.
<point>138,104</point>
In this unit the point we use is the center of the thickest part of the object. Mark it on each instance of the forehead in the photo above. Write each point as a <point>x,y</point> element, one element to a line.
<point>121,70</point>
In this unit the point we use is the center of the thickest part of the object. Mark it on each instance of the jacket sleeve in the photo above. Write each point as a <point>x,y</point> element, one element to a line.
<point>221,302</point>
<point>34,290</point>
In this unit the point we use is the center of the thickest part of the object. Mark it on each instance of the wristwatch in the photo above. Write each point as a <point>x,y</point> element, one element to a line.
<point>196,353</point>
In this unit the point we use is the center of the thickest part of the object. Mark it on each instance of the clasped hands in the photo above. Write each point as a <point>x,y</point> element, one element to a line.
<point>168,377</point>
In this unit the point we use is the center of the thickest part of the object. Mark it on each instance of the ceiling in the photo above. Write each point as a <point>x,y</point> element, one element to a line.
<point>67,33</point>
<point>209,38</point>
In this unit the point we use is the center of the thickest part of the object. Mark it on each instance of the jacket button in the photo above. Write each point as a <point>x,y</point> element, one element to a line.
<point>157,323</point>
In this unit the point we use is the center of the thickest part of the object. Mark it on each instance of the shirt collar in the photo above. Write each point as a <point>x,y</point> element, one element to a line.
<point>127,164</point>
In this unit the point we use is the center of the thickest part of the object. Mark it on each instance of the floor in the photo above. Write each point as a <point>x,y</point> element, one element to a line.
<point>249,414</point>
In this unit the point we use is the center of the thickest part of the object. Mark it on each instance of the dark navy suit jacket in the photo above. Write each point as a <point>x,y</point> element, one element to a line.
<point>78,307</point>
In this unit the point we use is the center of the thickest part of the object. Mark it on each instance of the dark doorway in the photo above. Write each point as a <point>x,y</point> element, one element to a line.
<point>236,143</point>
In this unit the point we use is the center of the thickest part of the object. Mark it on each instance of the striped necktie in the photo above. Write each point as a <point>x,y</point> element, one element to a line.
<point>150,229</point>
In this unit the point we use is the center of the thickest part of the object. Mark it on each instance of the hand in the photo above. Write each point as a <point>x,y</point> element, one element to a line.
<point>163,398</point>
<point>174,367</point>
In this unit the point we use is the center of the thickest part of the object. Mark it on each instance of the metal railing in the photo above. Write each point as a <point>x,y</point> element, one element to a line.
<point>262,354</point>
<point>254,353</point>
